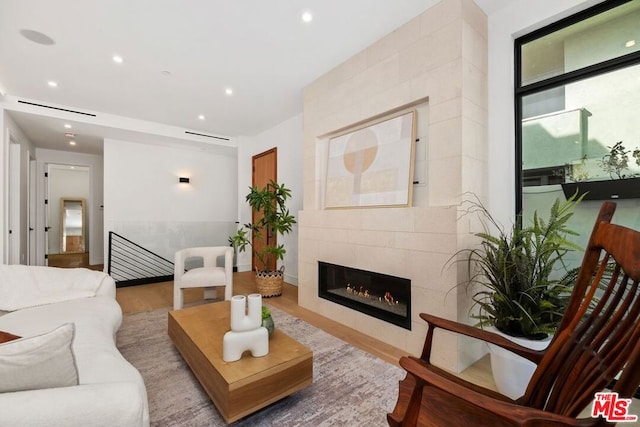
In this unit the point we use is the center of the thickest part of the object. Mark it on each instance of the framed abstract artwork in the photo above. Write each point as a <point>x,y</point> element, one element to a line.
<point>373,165</point>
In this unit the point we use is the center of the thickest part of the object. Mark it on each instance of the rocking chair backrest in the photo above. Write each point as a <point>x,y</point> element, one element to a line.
<point>599,335</point>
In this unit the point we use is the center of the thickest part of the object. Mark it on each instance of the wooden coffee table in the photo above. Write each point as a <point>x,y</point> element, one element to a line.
<point>238,388</point>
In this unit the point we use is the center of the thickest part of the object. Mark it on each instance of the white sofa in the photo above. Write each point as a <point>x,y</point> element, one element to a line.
<point>110,391</point>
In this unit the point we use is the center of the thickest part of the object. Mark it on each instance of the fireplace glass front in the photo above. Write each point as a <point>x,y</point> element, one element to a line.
<point>379,295</point>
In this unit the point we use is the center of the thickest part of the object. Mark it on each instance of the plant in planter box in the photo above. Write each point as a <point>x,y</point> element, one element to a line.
<point>616,162</point>
<point>269,203</point>
<point>623,183</point>
<point>521,284</point>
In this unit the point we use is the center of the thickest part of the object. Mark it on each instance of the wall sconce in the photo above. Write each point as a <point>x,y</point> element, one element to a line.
<point>183,180</point>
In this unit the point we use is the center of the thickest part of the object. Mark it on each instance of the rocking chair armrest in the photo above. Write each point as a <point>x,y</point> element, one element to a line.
<point>452,326</point>
<point>502,407</point>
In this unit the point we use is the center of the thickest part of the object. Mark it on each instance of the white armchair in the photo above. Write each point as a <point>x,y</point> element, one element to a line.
<point>209,276</point>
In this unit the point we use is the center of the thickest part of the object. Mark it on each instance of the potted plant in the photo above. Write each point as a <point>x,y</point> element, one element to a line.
<point>521,285</point>
<point>267,320</point>
<point>269,203</point>
<point>623,184</point>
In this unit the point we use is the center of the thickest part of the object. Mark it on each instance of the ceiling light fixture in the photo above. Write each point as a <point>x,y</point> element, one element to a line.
<point>67,126</point>
<point>72,143</point>
<point>118,59</point>
<point>51,83</point>
<point>630,43</point>
<point>201,117</point>
<point>69,135</point>
<point>307,17</point>
<point>228,91</point>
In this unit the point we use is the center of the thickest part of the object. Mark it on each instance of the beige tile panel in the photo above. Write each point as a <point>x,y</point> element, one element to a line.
<point>446,110</point>
<point>383,239</point>
<point>474,139</point>
<point>445,350</point>
<point>474,84</point>
<point>415,340</point>
<point>439,16</point>
<point>347,70</point>
<point>429,53</point>
<point>445,139</point>
<point>394,42</point>
<point>474,47</point>
<point>474,112</point>
<point>445,181</point>
<point>383,331</point>
<point>436,219</point>
<point>427,242</point>
<point>392,219</point>
<point>475,17</point>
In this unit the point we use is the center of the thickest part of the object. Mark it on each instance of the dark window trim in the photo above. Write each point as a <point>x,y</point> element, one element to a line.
<point>521,91</point>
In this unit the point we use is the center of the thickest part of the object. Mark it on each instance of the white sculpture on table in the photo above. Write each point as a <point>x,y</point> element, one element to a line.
<point>247,332</point>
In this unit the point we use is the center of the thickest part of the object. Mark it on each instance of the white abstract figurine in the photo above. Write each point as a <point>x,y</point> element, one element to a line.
<point>247,332</point>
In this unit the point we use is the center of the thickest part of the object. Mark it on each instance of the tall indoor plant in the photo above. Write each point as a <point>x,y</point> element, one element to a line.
<point>273,217</point>
<point>521,284</point>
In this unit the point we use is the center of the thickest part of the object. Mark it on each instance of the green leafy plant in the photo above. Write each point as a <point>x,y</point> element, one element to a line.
<point>514,271</point>
<point>265,312</point>
<point>274,218</point>
<point>616,161</point>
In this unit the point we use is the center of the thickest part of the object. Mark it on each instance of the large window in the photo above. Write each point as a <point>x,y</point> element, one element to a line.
<point>578,113</point>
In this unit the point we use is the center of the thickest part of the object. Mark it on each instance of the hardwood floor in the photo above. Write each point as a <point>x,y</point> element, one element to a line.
<point>141,298</point>
<point>72,260</point>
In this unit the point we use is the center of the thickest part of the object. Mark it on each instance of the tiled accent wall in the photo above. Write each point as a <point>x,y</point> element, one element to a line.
<point>438,58</point>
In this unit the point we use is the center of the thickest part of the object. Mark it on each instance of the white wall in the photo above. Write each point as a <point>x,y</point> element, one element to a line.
<point>94,202</point>
<point>15,210</point>
<point>287,137</point>
<point>518,18</point>
<point>145,203</point>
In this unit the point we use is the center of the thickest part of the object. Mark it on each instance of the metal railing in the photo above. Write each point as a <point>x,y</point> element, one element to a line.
<point>130,264</point>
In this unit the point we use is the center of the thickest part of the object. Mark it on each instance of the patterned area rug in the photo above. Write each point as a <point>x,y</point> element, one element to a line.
<point>350,387</point>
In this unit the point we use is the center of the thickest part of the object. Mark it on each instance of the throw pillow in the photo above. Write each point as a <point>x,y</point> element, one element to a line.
<point>6,337</point>
<point>43,361</point>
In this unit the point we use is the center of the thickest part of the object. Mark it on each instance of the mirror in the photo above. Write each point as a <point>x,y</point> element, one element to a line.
<point>72,225</point>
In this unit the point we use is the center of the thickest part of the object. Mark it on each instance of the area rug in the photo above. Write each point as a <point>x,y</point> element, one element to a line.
<point>350,386</point>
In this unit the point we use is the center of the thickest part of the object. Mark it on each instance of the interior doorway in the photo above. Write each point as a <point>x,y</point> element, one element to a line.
<point>68,188</point>
<point>264,167</point>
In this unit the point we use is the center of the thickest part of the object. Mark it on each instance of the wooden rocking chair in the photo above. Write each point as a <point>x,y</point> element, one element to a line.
<point>590,348</point>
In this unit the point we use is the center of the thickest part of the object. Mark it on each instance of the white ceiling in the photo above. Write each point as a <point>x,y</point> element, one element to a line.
<point>180,56</point>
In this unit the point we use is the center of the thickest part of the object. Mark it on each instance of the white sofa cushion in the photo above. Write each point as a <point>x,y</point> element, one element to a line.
<point>24,286</point>
<point>199,277</point>
<point>42,361</point>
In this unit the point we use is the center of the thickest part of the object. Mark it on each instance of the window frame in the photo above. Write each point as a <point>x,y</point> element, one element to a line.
<point>520,91</point>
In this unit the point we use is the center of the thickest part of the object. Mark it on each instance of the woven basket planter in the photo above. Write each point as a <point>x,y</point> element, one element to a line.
<point>269,283</point>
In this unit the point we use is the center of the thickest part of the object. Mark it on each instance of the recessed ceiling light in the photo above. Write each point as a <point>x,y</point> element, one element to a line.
<point>69,135</point>
<point>228,91</point>
<point>307,17</point>
<point>630,43</point>
<point>52,83</point>
<point>67,126</point>
<point>72,143</point>
<point>118,59</point>
<point>201,117</point>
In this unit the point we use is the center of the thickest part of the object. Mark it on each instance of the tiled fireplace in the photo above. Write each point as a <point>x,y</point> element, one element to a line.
<point>435,64</point>
<point>378,295</point>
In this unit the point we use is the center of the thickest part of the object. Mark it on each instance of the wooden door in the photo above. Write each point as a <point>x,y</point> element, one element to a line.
<point>265,168</point>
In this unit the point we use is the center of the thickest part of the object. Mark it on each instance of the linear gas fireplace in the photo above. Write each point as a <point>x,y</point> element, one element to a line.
<point>379,295</point>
